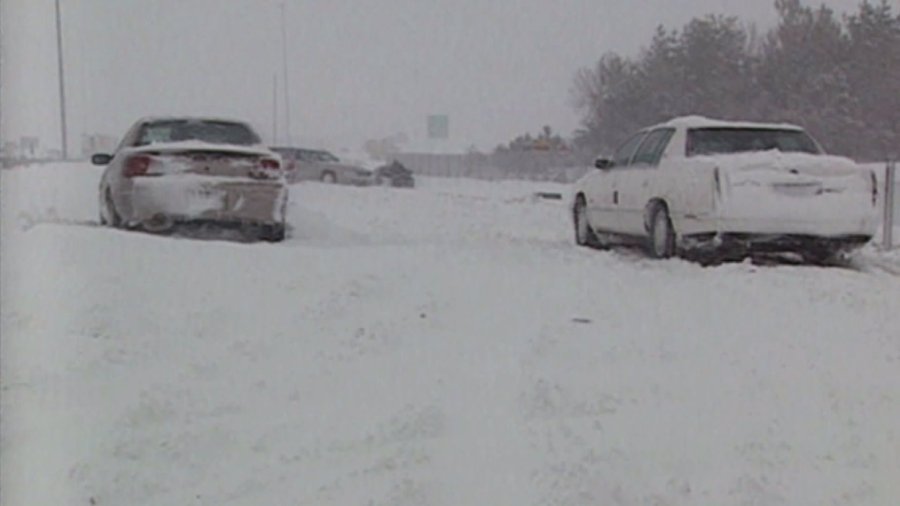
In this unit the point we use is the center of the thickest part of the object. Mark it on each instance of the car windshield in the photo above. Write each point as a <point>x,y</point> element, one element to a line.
<point>215,132</point>
<point>714,141</point>
<point>324,156</point>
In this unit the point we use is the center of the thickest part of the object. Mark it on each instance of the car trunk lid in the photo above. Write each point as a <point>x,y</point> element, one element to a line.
<point>792,174</point>
<point>202,159</point>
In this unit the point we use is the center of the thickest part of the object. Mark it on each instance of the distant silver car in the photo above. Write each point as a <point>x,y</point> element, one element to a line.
<point>319,165</point>
<point>172,170</point>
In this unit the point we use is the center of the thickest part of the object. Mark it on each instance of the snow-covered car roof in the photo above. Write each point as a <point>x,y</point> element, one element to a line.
<point>703,122</point>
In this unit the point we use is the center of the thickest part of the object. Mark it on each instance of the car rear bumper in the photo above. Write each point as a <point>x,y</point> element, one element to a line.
<point>725,244</point>
<point>822,216</point>
<point>834,226</point>
<point>183,199</point>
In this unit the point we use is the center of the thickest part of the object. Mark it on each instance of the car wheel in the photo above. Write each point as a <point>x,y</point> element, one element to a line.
<point>662,235</point>
<point>329,177</point>
<point>103,210</point>
<point>272,233</point>
<point>584,235</point>
<point>110,217</point>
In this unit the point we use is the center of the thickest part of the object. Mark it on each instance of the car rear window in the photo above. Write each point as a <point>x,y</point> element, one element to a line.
<point>714,141</point>
<point>215,132</point>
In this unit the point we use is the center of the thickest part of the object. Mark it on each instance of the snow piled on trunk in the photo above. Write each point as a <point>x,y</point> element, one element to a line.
<point>441,346</point>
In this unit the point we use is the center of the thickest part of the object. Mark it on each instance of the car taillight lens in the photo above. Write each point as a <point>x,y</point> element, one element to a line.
<point>269,164</point>
<point>137,165</point>
<point>266,168</point>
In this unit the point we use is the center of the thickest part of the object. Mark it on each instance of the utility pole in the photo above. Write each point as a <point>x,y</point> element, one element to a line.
<point>274,108</point>
<point>287,101</point>
<point>62,84</point>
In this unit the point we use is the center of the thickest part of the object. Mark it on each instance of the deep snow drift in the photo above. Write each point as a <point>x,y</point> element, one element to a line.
<point>441,346</point>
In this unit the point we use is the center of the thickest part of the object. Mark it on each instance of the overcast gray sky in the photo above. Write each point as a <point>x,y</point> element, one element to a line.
<point>358,69</point>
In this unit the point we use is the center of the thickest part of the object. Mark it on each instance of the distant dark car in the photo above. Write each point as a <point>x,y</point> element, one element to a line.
<point>394,174</point>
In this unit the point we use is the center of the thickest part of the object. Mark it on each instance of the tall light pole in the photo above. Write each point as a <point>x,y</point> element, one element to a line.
<point>62,84</point>
<point>275,109</point>
<point>287,101</point>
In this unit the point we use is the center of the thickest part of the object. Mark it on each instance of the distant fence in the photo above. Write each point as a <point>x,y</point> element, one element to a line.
<point>8,163</point>
<point>561,167</point>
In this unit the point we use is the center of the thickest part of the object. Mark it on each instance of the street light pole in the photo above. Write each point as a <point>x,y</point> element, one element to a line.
<point>275,108</point>
<point>62,84</point>
<point>287,101</point>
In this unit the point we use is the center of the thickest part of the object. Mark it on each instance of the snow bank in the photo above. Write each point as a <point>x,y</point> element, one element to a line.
<point>441,346</point>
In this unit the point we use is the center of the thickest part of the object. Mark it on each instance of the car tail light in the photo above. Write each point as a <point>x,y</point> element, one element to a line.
<point>269,164</point>
<point>266,168</point>
<point>874,187</point>
<point>137,165</point>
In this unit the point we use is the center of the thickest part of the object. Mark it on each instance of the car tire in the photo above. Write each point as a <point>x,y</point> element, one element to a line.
<point>110,217</point>
<point>272,233</point>
<point>661,243</point>
<point>584,235</point>
<point>328,177</point>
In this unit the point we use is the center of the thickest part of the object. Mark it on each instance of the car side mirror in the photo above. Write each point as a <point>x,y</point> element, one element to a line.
<point>101,159</point>
<point>603,163</point>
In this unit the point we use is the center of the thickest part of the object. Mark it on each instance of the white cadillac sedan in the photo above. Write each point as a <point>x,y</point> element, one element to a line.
<point>717,190</point>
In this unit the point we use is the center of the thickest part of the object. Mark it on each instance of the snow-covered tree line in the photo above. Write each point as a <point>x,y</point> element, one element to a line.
<point>837,75</point>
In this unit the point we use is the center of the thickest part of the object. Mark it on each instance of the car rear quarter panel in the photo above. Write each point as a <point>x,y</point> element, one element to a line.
<point>687,187</point>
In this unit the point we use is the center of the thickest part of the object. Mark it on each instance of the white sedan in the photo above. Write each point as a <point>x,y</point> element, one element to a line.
<point>722,190</point>
<point>168,171</point>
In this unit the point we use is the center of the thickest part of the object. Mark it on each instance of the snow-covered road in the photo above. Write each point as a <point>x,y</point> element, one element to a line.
<point>441,346</point>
